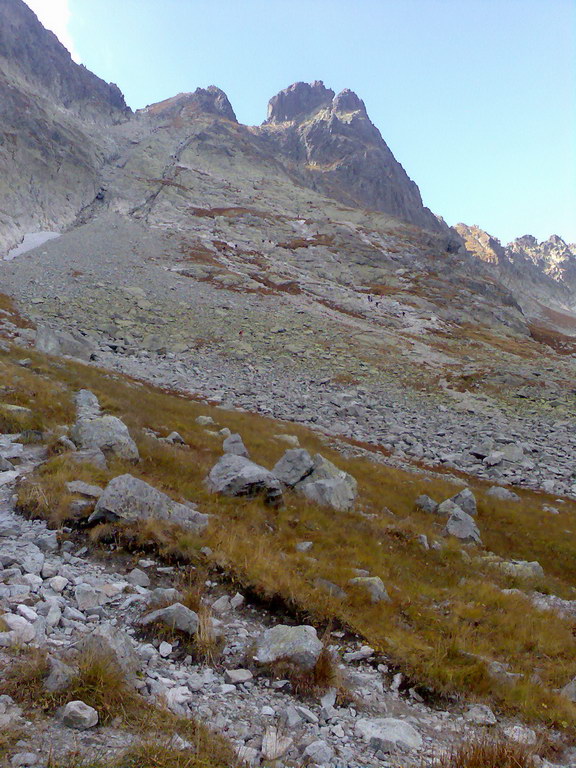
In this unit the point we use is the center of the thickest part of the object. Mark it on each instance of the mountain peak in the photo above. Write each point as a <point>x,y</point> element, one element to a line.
<point>298,101</point>
<point>348,101</point>
<point>211,100</point>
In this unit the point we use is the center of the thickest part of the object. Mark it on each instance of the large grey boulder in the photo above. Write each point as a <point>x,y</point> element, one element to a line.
<point>300,645</point>
<point>235,445</point>
<point>330,493</point>
<point>383,731</point>
<point>329,486</point>
<point>294,466</point>
<point>129,498</point>
<point>175,616</point>
<point>108,434</point>
<point>466,500</point>
<point>238,476</point>
<point>462,526</point>
<point>53,342</point>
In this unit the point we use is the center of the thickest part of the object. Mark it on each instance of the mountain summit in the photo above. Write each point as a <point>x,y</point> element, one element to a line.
<point>331,143</point>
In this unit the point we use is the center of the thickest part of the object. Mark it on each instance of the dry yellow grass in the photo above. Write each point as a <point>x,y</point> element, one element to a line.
<point>448,614</point>
<point>488,753</point>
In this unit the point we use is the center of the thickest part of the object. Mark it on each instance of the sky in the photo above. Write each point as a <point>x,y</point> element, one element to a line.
<point>476,98</point>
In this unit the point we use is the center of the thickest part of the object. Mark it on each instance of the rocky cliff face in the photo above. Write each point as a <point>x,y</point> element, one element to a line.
<point>331,142</point>
<point>53,118</point>
<point>46,65</point>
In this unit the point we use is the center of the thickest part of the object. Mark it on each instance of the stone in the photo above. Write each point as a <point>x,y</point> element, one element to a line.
<point>493,459</point>
<point>330,493</point>
<point>53,342</point>
<point>21,759</point>
<point>304,546</point>
<point>291,440</point>
<point>330,588</point>
<point>163,595</point>
<point>87,405</point>
<point>87,597</point>
<point>58,583</point>
<point>319,752</point>
<point>462,526</point>
<point>59,676</point>
<point>164,649</point>
<point>274,744</point>
<point>237,676</point>
<point>175,616</point>
<point>521,569</point>
<point>425,504</point>
<point>446,508</point>
<point>520,734</point>
<point>299,644</point>
<point>329,486</point>
<point>480,714</point>
<point>5,465</point>
<point>388,729</point>
<point>569,690</point>
<point>175,438</point>
<point>238,476</point>
<point>78,715</point>
<point>129,498</point>
<point>19,630</point>
<point>89,456</point>
<point>374,586</point>
<point>503,494</point>
<point>204,421</point>
<point>222,604</point>
<point>108,434</point>
<point>138,577</point>
<point>84,489</point>
<point>234,445</point>
<point>295,465</point>
<point>466,500</point>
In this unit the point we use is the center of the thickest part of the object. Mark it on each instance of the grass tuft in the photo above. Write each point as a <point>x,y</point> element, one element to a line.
<point>488,753</point>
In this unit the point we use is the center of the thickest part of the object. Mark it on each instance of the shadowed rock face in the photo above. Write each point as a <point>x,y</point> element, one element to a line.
<point>45,62</point>
<point>336,149</point>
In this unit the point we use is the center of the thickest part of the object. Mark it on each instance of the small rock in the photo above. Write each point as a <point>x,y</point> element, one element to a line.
<point>78,715</point>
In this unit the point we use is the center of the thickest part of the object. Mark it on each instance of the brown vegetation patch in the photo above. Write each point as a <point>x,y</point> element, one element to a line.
<point>306,242</point>
<point>229,213</point>
<point>559,342</point>
<point>8,308</point>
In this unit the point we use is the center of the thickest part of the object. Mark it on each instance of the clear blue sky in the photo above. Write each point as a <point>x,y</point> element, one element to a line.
<point>476,98</point>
